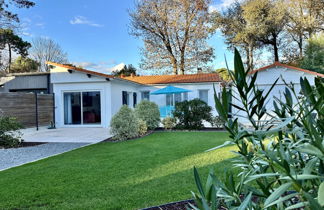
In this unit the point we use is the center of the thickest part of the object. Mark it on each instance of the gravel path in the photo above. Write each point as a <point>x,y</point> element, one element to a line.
<point>14,157</point>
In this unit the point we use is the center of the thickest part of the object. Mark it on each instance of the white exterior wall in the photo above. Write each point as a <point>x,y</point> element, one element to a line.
<point>265,80</point>
<point>111,93</point>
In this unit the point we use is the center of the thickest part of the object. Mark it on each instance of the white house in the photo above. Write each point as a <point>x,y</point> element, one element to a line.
<point>269,74</point>
<point>85,98</point>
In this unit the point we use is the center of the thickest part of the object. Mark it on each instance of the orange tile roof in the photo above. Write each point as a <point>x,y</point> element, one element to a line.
<point>287,66</point>
<point>156,79</point>
<point>169,79</point>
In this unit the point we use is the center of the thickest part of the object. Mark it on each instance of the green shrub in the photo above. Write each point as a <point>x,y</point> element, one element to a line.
<point>217,122</point>
<point>142,127</point>
<point>169,123</point>
<point>9,134</point>
<point>124,124</point>
<point>191,114</point>
<point>149,112</point>
<point>280,161</point>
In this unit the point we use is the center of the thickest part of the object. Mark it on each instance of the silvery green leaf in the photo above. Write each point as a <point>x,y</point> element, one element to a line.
<point>297,206</point>
<point>226,143</point>
<point>277,193</point>
<point>320,193</point>
<point>301,177</point>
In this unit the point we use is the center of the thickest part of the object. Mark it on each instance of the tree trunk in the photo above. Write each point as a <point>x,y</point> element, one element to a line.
<point>174,65</point>
<point>182,63</point>
<point>300,45</point>
<point>275,48</point>
<point>9,64</point>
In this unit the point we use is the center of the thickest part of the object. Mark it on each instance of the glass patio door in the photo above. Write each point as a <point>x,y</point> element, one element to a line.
<point>82,108</point>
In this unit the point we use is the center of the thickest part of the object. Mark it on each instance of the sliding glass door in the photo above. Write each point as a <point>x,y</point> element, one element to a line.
<point>82,108</point>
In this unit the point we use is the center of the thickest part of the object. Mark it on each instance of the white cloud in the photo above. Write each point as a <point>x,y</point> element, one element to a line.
<point>84,21</point>
<point>103,67</point>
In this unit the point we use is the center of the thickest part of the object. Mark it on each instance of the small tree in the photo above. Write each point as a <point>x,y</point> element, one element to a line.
<point>314,54</point>
<point>22,64</point>
<point>191,114</point>
<point>148,112</point>
<point>126,71</point>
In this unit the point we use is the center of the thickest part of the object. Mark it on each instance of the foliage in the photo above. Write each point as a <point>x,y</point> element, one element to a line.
<point>223,72</point>
<point>9,136</point>
<point>148,112</point>
<point>22,64</point>
<point>142,127</point>
<point>45,49</point>
<point>280,160</point>
<point>314,54</point>
<point>191,114</point>
<point>174,32</point>
<point>126,71</point>
<point>6,15</point>
<point>282,30</point>
<point>217,122</point>
<point>124,124</point>
<point>11,41</point>
<point>169,123</point>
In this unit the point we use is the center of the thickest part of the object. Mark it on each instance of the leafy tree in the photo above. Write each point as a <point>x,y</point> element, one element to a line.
<point>267,19</point>
<point>306,17</point>
<point>314,54</point>
<point>174,33</point>
<point>45,49</point>
<point>237,32</point>
<point>14,43</point>
<point>126,71</point>
<point>22,64</point>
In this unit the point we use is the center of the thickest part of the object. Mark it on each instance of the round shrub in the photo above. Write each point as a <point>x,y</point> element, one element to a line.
<point>169,123</point>
<point>191,114</point>
<point>124,124</point>
<point>142,127</point>
<point>149,112</point>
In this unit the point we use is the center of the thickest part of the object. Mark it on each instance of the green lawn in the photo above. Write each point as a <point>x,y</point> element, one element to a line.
<point>128,175</point>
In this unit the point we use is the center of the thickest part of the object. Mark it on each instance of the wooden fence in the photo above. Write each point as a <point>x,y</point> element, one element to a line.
<point>31,110</point>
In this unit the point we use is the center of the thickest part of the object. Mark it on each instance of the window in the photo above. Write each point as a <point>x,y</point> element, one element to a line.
<point>134,99</point>
<point>169,100</point>
<point>145,95</point>
<point>82,108</point>
<point>203,95</point>
<point>185,96</point>
<point>125,98</point>
<point>177,97</point>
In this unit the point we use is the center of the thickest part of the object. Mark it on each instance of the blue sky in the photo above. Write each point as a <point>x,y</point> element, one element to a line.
<point>95,33</point>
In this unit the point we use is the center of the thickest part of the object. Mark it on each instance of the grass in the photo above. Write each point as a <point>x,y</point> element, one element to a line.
<point>128,175</point>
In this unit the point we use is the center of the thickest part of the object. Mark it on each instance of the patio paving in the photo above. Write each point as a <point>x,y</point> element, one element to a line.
<point>67,135</point>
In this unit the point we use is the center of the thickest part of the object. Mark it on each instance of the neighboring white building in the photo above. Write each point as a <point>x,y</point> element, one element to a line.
<point>269,74</point>
<point>85,98</point>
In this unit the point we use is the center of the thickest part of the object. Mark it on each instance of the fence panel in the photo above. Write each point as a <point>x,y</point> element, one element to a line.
<point>23,107</point>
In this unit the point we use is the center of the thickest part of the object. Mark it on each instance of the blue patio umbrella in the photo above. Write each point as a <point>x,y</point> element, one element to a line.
<point>170,90</point>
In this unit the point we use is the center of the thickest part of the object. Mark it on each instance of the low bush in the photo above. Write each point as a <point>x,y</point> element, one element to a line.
<point>149,112</point>
<point>124,124</point>
<point>191,114</point>
<point>9,134</point>
<point>169,123</point>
